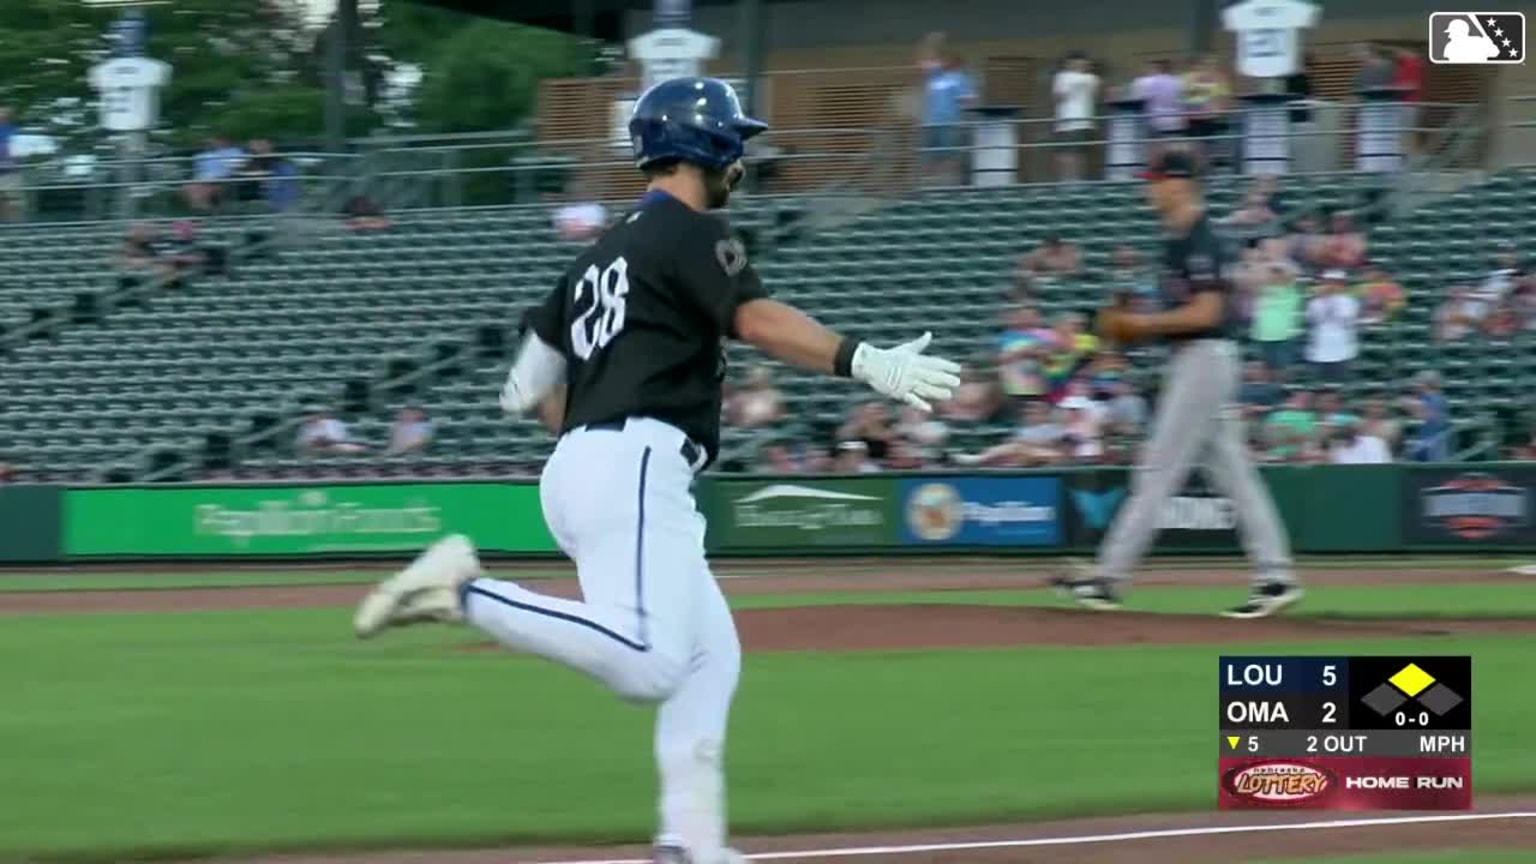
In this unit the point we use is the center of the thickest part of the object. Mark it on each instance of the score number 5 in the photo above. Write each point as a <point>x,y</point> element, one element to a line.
<point>1330,679</point>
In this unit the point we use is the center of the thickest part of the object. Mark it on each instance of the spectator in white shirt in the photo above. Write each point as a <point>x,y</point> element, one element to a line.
<point>581,222</point>
<point>1076,90</point>
<point>1375,423</point>
<point>1084,427</point>
<point>411,433</point>
<point>1500,281</point>
<point>1459,316</point>
<point>1333,319</point>
<point>1351,447</point>
<point>324,434</point>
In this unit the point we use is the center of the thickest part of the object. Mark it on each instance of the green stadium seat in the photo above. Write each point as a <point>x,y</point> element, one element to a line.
<point>282,332</point>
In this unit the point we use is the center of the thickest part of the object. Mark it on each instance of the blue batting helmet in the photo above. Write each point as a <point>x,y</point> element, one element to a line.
<point>693,120</point>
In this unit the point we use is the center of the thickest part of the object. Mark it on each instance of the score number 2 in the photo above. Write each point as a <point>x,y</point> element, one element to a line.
<point>1330,679</point>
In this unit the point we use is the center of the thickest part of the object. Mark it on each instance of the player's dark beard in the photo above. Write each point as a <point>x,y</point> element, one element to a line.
<point>718,184</point>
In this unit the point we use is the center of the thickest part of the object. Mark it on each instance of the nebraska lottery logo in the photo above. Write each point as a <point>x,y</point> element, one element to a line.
<point>1278,782</point>
<point>1476,506</point>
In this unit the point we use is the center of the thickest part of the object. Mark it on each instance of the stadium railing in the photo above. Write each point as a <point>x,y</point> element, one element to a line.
<point>512,166</point>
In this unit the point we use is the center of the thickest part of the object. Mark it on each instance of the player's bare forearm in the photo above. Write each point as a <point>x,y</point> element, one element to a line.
<point>786,334</point>
<point>903,372</point>
<point>551,409</point>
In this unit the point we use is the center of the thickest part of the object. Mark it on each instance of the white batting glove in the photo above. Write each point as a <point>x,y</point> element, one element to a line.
<point>906,373</point>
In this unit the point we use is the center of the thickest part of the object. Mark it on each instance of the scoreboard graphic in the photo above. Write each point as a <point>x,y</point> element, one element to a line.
<point>1345,733</point>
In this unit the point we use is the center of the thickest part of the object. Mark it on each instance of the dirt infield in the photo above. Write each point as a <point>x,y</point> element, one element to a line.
<point>856,576</point>
<point>1191,838</point>
<point>859,627</point>
<point>1200,838</point>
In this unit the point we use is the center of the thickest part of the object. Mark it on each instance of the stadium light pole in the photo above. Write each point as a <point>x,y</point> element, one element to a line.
<point>1204,18</point>
<point>342,20</point>
<point>584,27</point>
<point>751,23</point>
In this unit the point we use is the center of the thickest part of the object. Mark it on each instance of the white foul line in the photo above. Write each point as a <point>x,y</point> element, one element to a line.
<point>1084,839</point>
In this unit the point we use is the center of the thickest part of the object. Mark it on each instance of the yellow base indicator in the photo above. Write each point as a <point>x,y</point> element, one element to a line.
<point>1412,680</point>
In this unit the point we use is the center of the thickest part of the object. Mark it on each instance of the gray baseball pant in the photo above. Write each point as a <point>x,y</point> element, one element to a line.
<point>1198,422</point>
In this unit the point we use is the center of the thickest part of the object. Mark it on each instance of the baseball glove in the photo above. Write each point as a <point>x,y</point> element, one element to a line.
<point>1115,324</point>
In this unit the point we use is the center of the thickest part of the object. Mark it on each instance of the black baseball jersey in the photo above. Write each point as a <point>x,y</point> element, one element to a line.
<point>1193,262</point>
<point>643,317</point>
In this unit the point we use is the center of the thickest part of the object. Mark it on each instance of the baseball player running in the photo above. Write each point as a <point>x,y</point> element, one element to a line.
<point>635,332</point>
<point>1196,415</point>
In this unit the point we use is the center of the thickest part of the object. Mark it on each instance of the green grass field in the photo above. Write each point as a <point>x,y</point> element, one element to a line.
<point>223,731</point>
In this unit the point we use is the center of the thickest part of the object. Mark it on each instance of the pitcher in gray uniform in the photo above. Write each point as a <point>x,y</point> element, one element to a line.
<point>1197,421</point>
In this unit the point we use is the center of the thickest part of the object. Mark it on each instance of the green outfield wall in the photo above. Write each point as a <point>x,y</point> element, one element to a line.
<point>196,521</point>
<point>1381,509</point>
<point>31,524</point>
<point>1334,509</point>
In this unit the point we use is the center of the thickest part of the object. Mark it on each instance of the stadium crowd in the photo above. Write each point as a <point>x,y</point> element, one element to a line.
<point>1309,291</point>
<point>1310,296</point>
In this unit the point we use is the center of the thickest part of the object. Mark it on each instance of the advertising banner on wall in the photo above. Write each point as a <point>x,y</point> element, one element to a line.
<point>301,520</point>
<point>793,513</point>
<point>1197,519</point>
<point>981,511</point>
<point>1491,505</point>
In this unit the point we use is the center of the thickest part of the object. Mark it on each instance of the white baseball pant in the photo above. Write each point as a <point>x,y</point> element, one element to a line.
<point>653,625</point>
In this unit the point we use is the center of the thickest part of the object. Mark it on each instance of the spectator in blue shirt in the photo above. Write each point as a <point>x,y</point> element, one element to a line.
<point>1430,440</point>
<point>267,176</point>
<point>10,175</point>
<point>283,186</point>
<point>947,93</point>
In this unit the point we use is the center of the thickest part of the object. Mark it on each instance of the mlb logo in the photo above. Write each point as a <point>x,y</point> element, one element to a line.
<point>1477,38</point>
